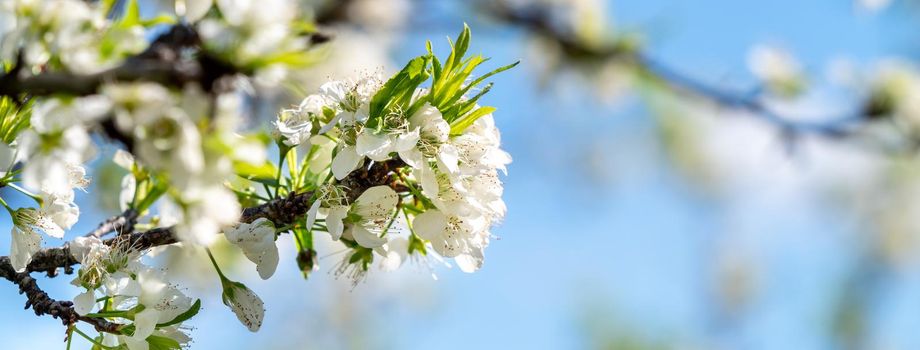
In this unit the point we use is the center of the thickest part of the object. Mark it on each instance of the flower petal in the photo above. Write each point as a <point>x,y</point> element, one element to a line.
<point>269,263</point>
<point>376,147</point>
<point>397,251</point>
<point>367,238</point>
<point>334,221</point>
<point>448,159</point>
<point>84,302</point>
<point>412,156</point>
<point>376,202</point>
<point>407,140</point>
<point>311,214</point>
<point>25,244</point>
<point>145,322</point>
<point>136,344</point>
<point>196,9</point>
<point>430,225</point>
<point>247,306</point>
<point>345,161</point>
<point>469,263</point>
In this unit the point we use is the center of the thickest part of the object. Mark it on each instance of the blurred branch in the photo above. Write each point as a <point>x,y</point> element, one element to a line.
<point>538,19</point>
<point>161,62</point>
<point>836,127</point>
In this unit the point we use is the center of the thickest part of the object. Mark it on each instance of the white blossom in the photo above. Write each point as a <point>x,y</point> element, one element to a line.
<point>247,306</point>
<point>84,302</point>
<point>25,243</point>
<point>257,240</point>
<point>84,249</point>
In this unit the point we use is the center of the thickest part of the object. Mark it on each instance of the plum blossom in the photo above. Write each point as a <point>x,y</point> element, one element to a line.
<point>257,240</point>
<point>247,306</point>
<point>25,243</point>
<point>363,221</point>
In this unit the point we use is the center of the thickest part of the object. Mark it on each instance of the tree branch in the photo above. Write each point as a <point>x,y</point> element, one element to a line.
<point>281,211</point>
<point>42,304</point>
<point>537,19</point>
<point>165,62</point>
<point>123,222</point>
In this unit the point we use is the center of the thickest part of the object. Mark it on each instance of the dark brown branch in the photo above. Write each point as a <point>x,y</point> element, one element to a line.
<point>363,178</point>
<point>42,304</point>
<point>281,211</point>
<point>120,223</point>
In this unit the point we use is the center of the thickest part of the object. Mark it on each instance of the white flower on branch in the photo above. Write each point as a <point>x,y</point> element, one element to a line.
<point>895,90</point>
<point>251,30</point>
<point>362,222</point>
<point>450,234</point>
<point>52,159</point>
<point>85,302</point>
<point>257,241</point>
<point>62,211</point>
<point>370,216</point>
<point>247,306</point>
<point>163,298</point>
<point>85,249</point>
<point>432,131</point>
<point>33,219</point>
<point>25,243</point>
<point>294,126</point>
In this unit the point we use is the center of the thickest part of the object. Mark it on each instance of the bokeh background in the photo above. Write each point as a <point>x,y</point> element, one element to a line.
<point>638,218</point>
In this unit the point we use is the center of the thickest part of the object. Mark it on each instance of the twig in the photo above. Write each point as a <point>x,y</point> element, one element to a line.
<point>537,19</point>
<point>123,223</point>
<point>281,211</point>
<point>42,304</point>
<point>164,61</point>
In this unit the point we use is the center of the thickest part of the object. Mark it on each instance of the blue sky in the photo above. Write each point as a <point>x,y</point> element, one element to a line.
<point>640,240</point>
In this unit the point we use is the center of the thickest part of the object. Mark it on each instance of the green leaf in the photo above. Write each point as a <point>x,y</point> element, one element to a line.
<point>435,62</point>
<point>191,312</point>
<point>159,188</point>
<point>462,108</point>
<point>296,59</point>
<point>450,90</point>
<point>160,19</point>
<point>458,49</point>
<point>132,15</point>
<point>398,91</point>
<point>107,5</point>
<point>264,174</point>
<point>467,120</point>
<point>163,343</point>
<point>480,79</point>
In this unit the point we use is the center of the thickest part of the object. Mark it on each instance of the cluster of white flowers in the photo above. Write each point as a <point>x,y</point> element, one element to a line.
<point>165,129</point>
<point>183,150</point>
<point>119,287</point>
<point>454,175</point>
<point>72,32</point>
<point>56,147</point>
